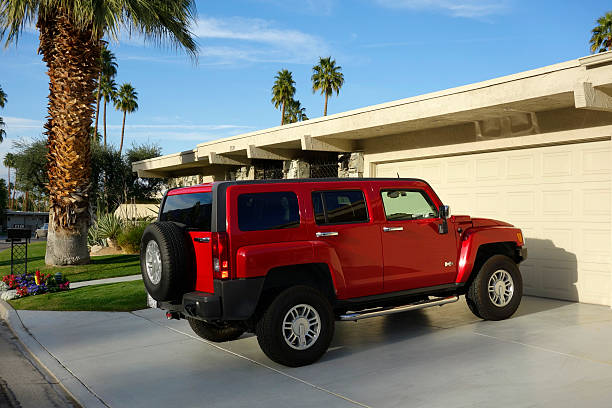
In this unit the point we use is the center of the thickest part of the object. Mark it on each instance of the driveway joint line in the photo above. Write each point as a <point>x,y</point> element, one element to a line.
<point>544,349</point>
<point>260,364</point>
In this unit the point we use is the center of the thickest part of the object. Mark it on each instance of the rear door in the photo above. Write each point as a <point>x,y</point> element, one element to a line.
<point>344,221</point>
<point>194,210</point>
<point>416,254</point>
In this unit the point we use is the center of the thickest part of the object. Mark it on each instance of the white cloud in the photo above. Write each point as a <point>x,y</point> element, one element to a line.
<point>21,123</point>
<point>256,40</point>
<point>460,8</point>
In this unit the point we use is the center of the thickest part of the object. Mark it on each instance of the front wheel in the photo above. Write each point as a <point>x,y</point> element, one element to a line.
<point>496,291</point>
<point>215,332</point>
<point>297,327</point>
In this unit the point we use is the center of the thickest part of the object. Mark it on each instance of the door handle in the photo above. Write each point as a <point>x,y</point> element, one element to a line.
<point>390,229</point>
<point>326,234</point>
<point>198,239</point>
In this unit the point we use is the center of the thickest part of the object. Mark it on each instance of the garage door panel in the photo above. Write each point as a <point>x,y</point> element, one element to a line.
<point>559,195</point>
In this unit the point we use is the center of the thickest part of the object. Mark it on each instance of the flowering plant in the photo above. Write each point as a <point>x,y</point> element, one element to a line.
<point>34,283</point>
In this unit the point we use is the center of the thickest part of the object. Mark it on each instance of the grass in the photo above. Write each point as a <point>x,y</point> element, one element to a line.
<point>112,297</point>
<point>108,266</point>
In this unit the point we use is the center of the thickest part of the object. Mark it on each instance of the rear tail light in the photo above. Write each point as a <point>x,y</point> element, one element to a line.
<point>220,256</point>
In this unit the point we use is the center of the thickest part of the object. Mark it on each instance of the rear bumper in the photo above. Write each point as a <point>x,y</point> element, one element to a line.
<point>232,300</point>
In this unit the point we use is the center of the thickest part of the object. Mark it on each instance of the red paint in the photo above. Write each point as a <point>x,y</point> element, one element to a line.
<point>203,260</point>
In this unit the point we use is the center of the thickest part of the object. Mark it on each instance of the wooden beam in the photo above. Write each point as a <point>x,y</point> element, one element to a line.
<point>326,145</point>
<point>214,158</point>
<point>254,152</point>
<point>588,97</point>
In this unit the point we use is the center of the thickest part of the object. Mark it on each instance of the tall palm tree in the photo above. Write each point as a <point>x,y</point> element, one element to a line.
<point>295,112</point>
<point>9,163</point>
<point>283,91</point>
<point>2,124</point>
<point>108,90</point>
<point>601,39</point>
<point>127,102</point>
<point>108,70</point>
<point>70,34</point>
<point>327,78</point>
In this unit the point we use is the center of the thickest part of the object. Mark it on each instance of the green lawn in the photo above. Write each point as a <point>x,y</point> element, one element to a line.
<point>112,297</point>
<point>108,266</point>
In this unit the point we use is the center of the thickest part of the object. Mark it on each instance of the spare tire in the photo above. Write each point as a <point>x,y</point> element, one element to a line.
<point>163,259</point>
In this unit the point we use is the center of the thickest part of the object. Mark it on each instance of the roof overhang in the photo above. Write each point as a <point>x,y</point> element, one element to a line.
<point>583,83</point>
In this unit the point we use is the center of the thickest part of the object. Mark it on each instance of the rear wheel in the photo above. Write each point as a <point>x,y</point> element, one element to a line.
<point>216,332</point>
<point>496,291</point>
<point>297,327</point>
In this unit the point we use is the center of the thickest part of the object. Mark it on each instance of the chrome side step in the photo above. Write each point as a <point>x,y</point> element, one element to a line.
<point>382,312</point>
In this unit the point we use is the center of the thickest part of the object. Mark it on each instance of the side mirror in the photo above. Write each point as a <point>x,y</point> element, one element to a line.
<point>444,211</point>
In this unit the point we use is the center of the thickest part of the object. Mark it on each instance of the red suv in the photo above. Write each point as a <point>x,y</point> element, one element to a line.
<point>285,259</point>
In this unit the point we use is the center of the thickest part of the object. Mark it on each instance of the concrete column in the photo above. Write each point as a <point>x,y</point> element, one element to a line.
<point>297,168</point>
<point>350,164</point>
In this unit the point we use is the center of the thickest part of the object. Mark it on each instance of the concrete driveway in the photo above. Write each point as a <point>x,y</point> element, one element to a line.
<point>551,354</point>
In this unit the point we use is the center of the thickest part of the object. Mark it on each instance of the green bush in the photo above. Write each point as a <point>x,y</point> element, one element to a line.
<point>129,239</point>
<point>110,226</point>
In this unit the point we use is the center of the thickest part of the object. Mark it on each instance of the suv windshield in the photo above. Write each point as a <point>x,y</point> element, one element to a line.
<point>193,210</point>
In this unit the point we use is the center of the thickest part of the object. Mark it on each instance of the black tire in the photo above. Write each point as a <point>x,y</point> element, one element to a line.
<point>270,332</point>
<point>217,333</point>
<point>170,239</point>
<point>478,298</point>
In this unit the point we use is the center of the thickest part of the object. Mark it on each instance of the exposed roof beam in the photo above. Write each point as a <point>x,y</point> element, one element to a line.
<point>326,145</point>
<point>588,97</point>
<point>214,158</point>
<point>254,152</point>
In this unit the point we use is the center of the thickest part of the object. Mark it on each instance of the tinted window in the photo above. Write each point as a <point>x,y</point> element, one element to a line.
<point>338,207</point>
<point>403,205</point>
<point>267,211</point>
<point>193,210</point>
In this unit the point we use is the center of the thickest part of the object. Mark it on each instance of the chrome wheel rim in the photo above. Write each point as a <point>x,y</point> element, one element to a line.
<point>301,327</point>
<point>153,262</point>
<point>501,288</point>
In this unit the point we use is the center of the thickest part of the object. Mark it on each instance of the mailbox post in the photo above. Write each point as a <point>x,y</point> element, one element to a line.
<point>19,239</point>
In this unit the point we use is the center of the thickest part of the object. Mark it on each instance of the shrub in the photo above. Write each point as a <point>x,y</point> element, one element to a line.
<point>129,239</point>
<point>110,226</point>
<point>93,235</point>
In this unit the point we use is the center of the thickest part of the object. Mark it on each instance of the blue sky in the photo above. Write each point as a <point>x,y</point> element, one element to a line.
<point>388,49</point>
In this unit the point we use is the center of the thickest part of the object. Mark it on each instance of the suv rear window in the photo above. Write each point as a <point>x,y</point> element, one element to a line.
<point>268,211</point>
<point>193,210</point>
<point>339,207</point>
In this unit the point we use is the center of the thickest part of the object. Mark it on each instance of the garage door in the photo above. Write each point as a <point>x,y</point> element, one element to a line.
<point>558,195</point>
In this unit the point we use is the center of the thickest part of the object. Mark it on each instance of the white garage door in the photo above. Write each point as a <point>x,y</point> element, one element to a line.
<point>558,195</point>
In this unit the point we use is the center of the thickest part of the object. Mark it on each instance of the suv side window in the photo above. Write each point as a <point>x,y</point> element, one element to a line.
<point>339,207</point>
<point>268,211</point>
<point>402,205</point>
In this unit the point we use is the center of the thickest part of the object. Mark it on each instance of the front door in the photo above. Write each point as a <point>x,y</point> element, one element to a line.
<point>415,253</point>
<point>343,221</point>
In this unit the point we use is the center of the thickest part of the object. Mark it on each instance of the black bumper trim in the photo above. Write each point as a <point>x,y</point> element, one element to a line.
<point>232,300</point>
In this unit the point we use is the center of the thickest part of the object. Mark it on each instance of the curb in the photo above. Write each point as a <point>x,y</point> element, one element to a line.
<point>66,379</point>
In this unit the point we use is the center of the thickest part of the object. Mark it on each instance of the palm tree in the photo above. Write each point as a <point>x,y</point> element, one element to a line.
<point>601,40</point>
<point>127,102</point>
<point>283,91</point>
<point>108,70</point>
<point>295,112</point>
<point>70,35</point>
<point>2,124</point>
<point>9,162</point>
<point>327,78</point>
<point>108,90</point>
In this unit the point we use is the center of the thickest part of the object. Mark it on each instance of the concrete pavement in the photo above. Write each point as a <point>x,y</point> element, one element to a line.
<point>552,353</point>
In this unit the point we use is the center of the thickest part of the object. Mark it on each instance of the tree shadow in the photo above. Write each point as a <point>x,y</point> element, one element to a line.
<point>30,259</point>
<point>114,259</point>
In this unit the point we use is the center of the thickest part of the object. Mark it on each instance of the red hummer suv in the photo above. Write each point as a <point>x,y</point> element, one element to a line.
<point>285,259</point>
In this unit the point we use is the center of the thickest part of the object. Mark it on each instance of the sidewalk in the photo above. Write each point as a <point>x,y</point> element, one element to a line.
<point>551,354</point>
<point>74,285</point>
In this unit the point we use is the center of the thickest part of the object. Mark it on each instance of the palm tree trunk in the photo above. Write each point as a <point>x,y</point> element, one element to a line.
<point>104,120</point>
<point>72,57</point>
<point>98,106</point>
<point>283,114</point>
<point>25,201</point>
<point>122,130</point>
<point>325,109</point>
<point>9,189</point>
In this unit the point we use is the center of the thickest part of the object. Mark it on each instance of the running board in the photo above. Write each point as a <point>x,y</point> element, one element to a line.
<point>382,312</point>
